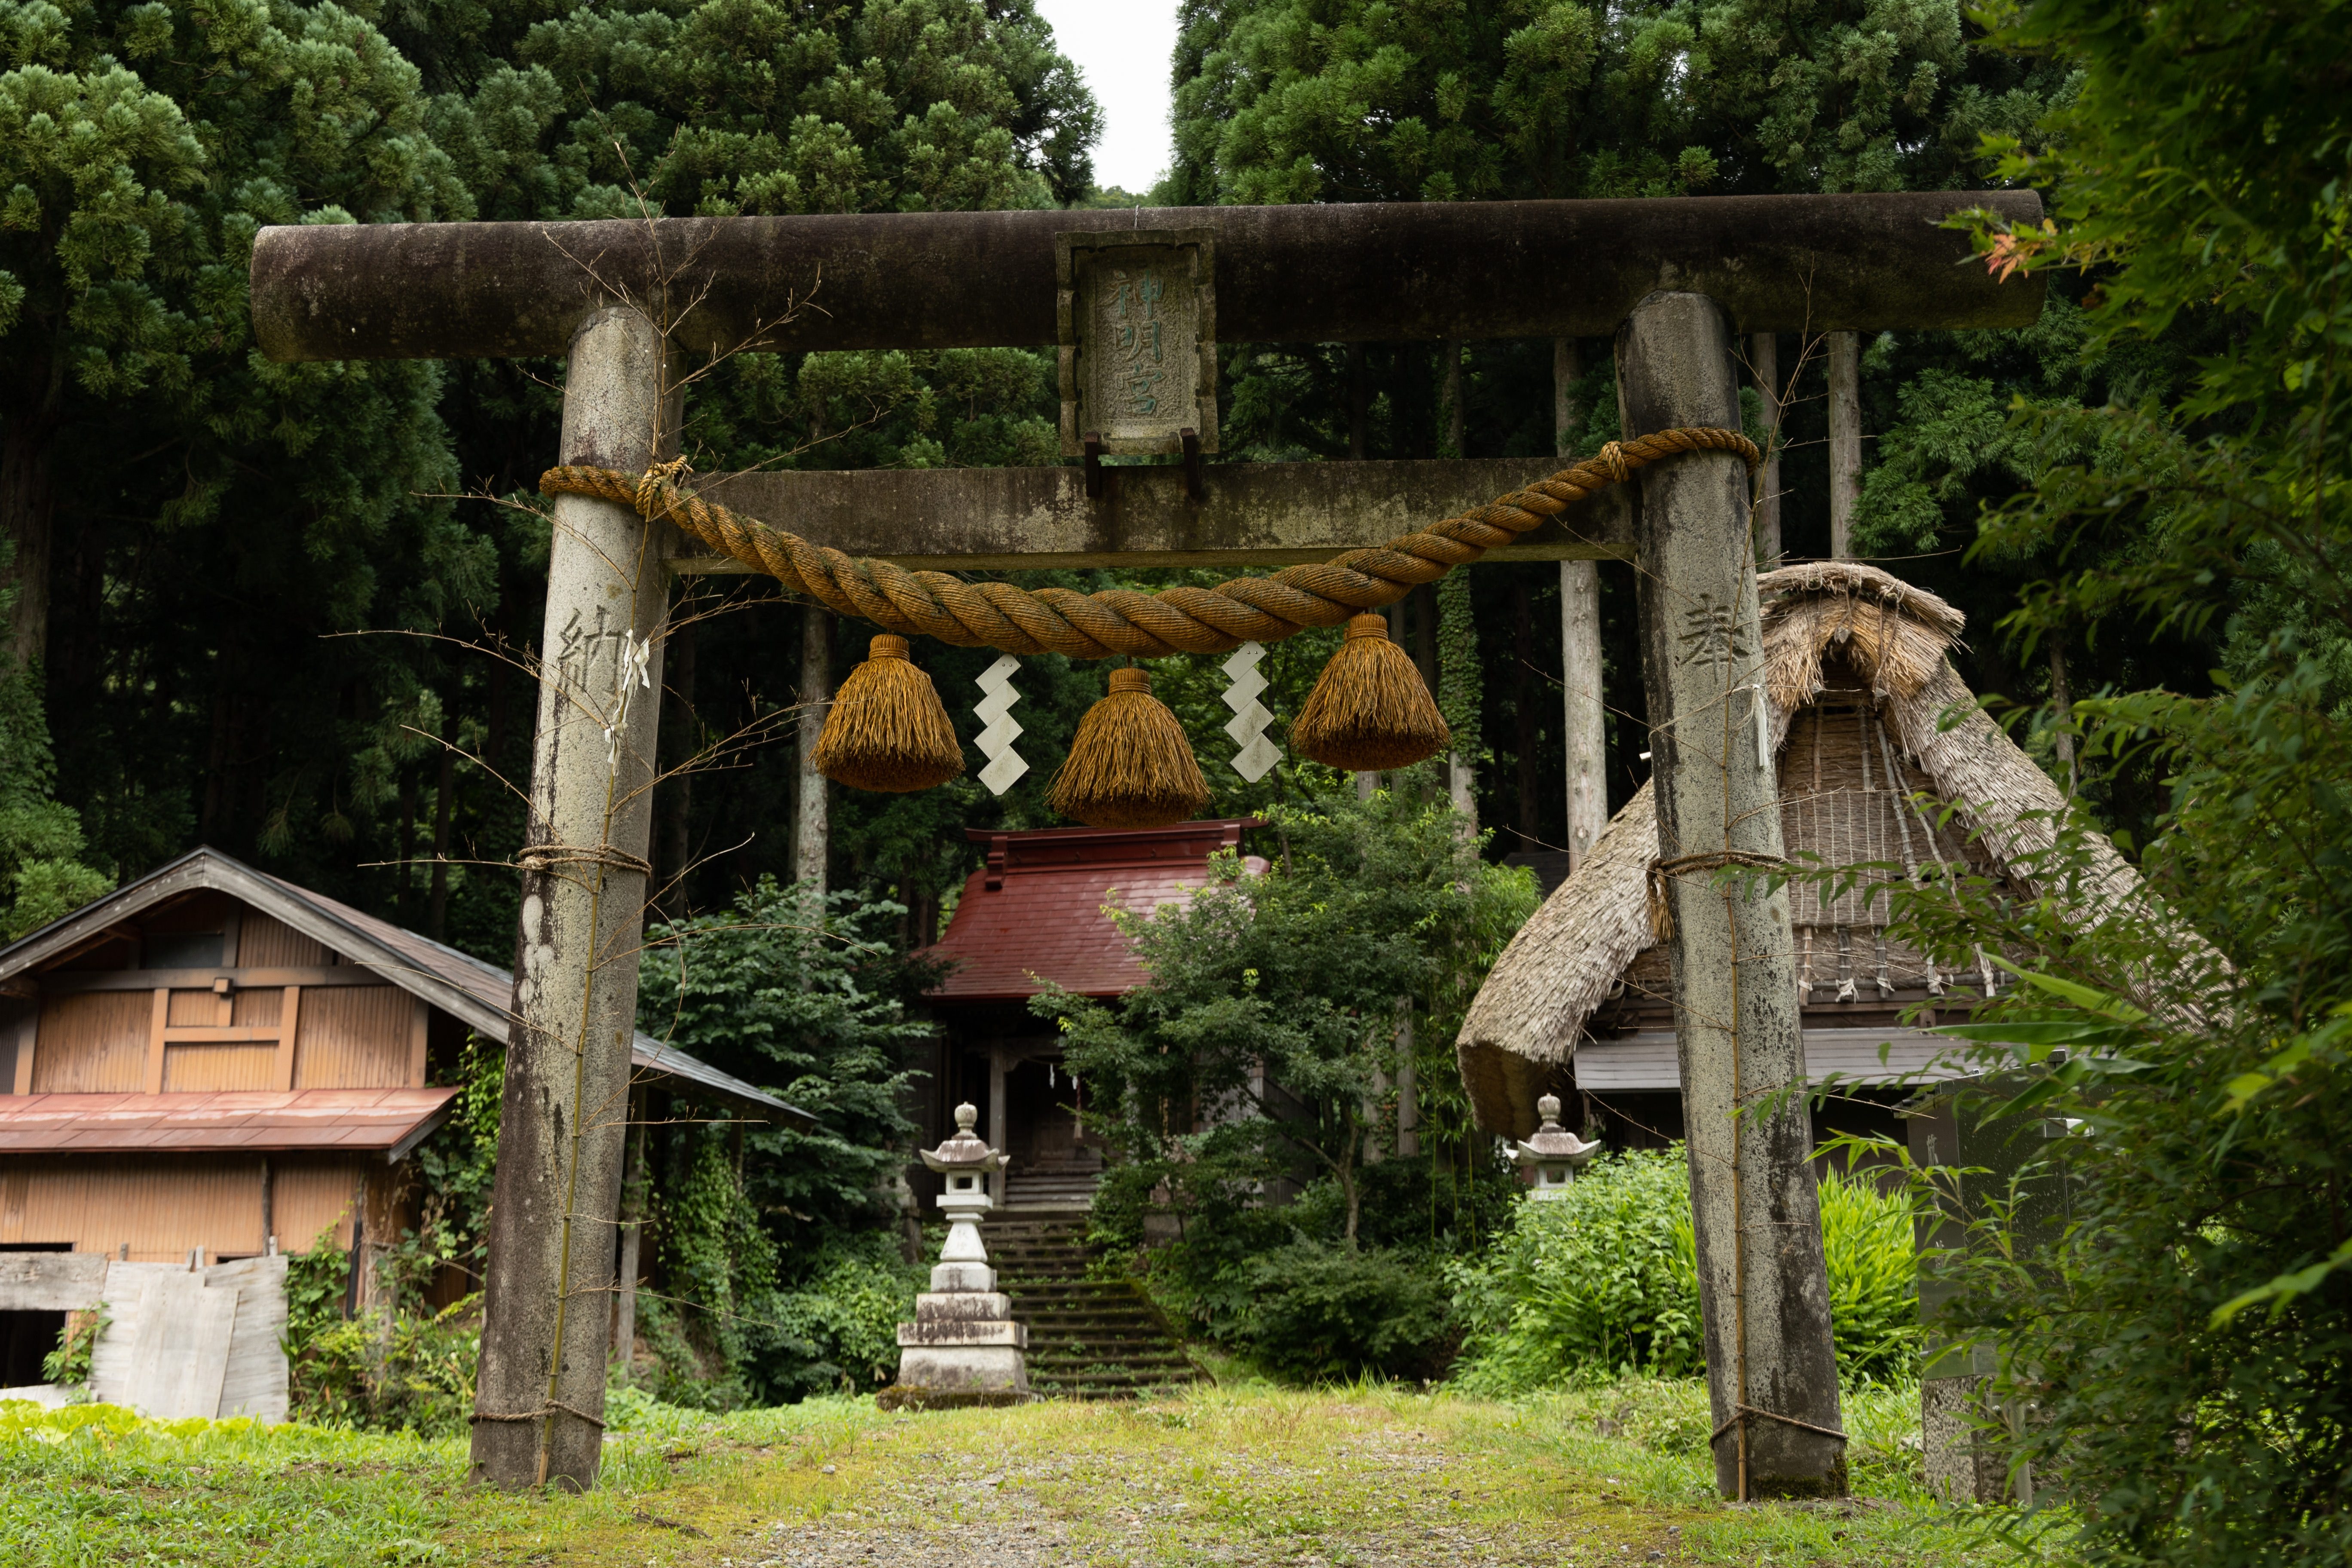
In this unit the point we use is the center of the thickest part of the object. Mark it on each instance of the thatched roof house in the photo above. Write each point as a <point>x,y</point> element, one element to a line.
<point>1860,693</point>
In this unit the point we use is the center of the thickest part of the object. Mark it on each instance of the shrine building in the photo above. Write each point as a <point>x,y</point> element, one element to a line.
<point>1034,914</point>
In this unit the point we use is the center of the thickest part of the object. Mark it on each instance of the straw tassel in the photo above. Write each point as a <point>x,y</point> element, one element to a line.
<point>886,731</point>
<point>1129,765</point>
<point>1370,710</point>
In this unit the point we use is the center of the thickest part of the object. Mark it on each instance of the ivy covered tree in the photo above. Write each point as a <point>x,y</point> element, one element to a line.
<point>805,996</point>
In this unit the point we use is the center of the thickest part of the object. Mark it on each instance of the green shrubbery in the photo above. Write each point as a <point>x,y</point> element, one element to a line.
<point>1603,1282</point>
<point>1599,1281</point>
<point>776,1260</point>
<point>1316,1311</point>
<point>397,1372</point>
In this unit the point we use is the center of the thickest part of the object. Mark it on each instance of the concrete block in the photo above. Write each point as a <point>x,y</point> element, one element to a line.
<point>962,1277</point>
<point>963,1306</point>
<point>960,1368</point>
<point>965,1333</point>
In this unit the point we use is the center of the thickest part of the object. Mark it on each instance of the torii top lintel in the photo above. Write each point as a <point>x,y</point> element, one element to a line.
<point>1318,273</point>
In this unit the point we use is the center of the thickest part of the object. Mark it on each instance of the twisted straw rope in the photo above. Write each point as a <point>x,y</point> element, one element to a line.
<point>1123,620</point>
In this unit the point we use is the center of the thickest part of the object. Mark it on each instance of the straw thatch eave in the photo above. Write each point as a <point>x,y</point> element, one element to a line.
<point>1528,1018</point>
<point>1564,962</point>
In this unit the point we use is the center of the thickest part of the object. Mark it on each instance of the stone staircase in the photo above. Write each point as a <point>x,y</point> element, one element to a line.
<point>1089,1338</point>
<point>1059,1192</point>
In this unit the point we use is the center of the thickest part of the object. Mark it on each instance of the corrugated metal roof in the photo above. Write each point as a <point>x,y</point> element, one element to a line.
<point>390,1121</point>
<point>475,992</point>
<point>1034,913</point>
<point>1647,1061</point>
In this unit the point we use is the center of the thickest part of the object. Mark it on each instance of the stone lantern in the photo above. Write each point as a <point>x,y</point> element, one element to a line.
<point>963,1347</point>
<point>1553,1154</point>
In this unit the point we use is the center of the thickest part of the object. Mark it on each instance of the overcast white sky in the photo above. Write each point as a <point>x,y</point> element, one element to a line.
<point>1122,46</point>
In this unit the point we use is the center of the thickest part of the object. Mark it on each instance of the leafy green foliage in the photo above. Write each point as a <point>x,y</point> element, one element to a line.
<point>1869,1243</point>
<point>846,1311</point>
<point>1318,1313</point>
<point>150,449</point>
<point>1262,1057</point>
<point>42,876</point>
<point>455,1168</point>
<point>805,995</point>
<point>69,1365</point>
<point>879,105</point>
<point>1603,1282</point>
<point>2185,1338</point>
<point>396,1370</point>
<point>1262,1045</point>
<point>1289,101</point>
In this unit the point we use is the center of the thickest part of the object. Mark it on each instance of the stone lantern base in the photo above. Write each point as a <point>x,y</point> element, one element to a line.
<point>963,1347</point>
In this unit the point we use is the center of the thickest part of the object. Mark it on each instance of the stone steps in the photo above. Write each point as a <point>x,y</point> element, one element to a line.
<point>1089,1337</point>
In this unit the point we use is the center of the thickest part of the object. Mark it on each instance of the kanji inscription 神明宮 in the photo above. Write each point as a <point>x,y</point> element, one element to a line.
<point>1138,351</point>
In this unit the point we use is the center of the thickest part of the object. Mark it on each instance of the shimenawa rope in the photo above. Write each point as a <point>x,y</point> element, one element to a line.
<point>1120,620</point>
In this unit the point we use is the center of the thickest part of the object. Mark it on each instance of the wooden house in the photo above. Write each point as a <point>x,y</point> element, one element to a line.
<point>1037,912</point>
<point>212,1064</point>
<point>1870,723</point>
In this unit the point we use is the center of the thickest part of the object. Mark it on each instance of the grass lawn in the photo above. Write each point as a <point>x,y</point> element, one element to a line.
<point>1369,1476</point>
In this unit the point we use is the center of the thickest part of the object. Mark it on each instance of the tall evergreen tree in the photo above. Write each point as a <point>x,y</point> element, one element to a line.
<point>187,519</point>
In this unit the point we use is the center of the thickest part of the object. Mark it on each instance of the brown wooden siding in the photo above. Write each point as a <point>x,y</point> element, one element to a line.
<point>312,1197</point>
<point>265,943</point>
<point>95,1043</point>
<point>220,1066</point>
<point>166,1204</point>
<point>260,1008</point>
<point>161,1207</point>
<point>353,1036</point>
<point>200,1009</point>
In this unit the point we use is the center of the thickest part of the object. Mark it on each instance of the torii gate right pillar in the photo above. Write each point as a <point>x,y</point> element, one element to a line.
<point>1763,1286</point>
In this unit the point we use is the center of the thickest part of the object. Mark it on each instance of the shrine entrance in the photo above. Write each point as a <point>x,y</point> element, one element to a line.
<point>637,307</point>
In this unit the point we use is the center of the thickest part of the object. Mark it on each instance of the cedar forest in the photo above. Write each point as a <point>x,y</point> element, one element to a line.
<point>277,608</point>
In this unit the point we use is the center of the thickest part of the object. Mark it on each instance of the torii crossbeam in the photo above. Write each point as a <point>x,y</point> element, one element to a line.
<point>631,304</point>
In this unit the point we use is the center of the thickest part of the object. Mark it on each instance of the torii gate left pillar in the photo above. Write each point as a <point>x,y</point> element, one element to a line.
<point>564,1115</point>
<point>1311,274</point>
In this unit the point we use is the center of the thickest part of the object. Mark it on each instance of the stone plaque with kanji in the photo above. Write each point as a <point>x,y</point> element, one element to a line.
<point>1139,358</point>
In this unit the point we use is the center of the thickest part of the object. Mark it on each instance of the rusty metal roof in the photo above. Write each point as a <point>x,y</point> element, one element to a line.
<point>1034,913</point>
<point>475,992</point>
<point>390,1121</point>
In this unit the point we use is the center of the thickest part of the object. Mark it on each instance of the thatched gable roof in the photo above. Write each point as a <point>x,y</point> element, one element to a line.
<point>1529,1017</point>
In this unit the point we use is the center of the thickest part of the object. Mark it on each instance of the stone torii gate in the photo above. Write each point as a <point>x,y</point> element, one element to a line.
<point>633,305</point>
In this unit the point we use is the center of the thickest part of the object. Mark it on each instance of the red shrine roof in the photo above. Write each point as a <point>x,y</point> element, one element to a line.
<point>1035,912</point>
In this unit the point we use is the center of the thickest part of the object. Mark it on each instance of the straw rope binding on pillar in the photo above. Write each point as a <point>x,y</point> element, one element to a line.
<point>886,729</point>
<point>1369,710</point>
<point>1120,620</point>
<point>1661,910</point>
<point>1129,765</point>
